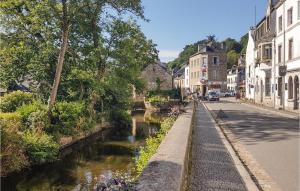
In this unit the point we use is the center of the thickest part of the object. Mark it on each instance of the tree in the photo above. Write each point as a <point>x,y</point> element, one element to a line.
<point>232,58</point>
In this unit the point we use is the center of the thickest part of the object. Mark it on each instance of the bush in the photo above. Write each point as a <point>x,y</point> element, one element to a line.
<point>66,115</point>
<point>40,147</point>
<point>34,115</point>
<point>152,144</point>
<point>12,155</point>
<point>10,102</point>
<point>157,99</point>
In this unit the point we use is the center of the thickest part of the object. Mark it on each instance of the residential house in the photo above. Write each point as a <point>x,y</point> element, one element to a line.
<point>156,76</point>
<point>273,57</point>
<point>207,69</point>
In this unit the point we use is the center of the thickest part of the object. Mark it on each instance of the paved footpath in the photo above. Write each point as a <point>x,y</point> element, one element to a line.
<point>211,166</point>
<point>272,140</point>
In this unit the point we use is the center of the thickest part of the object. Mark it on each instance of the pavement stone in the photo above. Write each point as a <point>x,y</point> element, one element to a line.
<point>211,166</point>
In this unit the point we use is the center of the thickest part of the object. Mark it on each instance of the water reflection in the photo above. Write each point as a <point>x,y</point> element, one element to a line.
<point>82,166</point>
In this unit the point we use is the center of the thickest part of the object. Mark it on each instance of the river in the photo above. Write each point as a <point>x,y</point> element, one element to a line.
<point>82,164</point>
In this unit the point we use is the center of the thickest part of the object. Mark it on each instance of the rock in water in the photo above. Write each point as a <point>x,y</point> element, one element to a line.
<point>221,114</point>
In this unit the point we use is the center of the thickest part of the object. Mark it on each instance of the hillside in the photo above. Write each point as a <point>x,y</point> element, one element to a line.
<point>233,50</point>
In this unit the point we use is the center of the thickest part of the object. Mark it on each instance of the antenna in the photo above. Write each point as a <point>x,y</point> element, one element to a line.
<point>254,15</point>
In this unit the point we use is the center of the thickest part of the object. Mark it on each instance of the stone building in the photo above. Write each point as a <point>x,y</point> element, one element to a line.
<point>157,76</point>
<point>207,69</point>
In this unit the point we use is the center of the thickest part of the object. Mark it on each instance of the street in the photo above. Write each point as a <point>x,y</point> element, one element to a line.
<point>271,139</point>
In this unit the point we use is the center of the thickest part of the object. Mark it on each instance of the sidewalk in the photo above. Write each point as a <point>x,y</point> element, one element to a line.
<point>211,164</point>
<point>284,113</point>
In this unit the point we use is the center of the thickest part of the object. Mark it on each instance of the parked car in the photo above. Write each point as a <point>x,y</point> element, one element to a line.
<point>213,96</point>
<point>225,94</point>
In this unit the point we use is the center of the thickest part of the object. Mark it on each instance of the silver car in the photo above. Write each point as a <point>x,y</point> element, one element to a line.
<point>213,96</point>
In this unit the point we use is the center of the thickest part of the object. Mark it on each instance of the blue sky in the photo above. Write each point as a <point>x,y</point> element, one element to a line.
<point>176,23</point>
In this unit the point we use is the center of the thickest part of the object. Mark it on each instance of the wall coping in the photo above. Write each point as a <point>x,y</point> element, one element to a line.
<point>167,168</point>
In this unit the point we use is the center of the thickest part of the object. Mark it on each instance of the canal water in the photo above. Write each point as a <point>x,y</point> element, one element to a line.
<point>84,163</point>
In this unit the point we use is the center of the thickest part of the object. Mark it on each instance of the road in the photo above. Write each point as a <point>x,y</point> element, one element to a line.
<point>272,139</point>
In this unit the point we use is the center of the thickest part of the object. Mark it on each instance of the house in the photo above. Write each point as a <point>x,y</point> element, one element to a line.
<point>273,57</point>
<point>286,68</point>
<point>232,76</point>
<point>156,76</point>
<point>207,69</point>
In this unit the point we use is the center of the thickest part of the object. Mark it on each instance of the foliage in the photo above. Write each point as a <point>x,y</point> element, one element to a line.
<point>232,58</point>
<point>66,115</point>
<point>10,102</point>
<point>152,144</point>
<point>13,157</point>
<point>157,99</point>
<point>32,114</point>
<point>40,147</point>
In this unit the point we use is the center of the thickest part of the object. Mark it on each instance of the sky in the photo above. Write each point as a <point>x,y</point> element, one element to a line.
<point>176,23</point>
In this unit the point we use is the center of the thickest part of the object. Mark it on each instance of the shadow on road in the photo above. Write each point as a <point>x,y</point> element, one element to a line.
<point>252,126</point>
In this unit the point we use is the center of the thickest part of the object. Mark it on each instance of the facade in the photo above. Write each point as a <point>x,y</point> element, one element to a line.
<point>157,76</point>
<point>208,70</point>
<point>187,76</point>
<point>287,46</point>
<point>232,77</point>
<point>273,57</point>
<point>179,79</point>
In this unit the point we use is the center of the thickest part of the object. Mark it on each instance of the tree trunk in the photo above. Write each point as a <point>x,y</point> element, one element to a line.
<point>62,52</point>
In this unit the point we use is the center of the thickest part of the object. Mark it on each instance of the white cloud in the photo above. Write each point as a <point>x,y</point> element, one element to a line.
<point>168,55</point>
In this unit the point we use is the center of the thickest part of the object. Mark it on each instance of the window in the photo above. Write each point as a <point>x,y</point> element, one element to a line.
<point>214,74</point>
<point>198,73</point>
<point>215,60</point>
<point>290,16</point>
<point>280,24</point>
<point>291,49</point>
<point>249,72</point>
<point>267,87</point>
<point>298,10</point>
<point>267,52</point>
<point>279,53</point>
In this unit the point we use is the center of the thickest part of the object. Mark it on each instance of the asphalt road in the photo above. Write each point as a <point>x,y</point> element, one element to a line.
<point>272,139</point>
<point>211,166</point>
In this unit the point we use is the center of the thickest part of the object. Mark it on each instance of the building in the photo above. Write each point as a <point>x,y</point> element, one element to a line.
<point>273,57</point>
<point>286,67</point>
<point>179,79</point>
<point>232,76</point>
<point>207,69</point>
<point>157,77</point>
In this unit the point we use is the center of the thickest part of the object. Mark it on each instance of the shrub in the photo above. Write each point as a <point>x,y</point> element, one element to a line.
<point>10,102</point>
<point>40,147</point>
<point>66,115</point>
<point>12,155</point>
<point>157,99</point>
<point>152,144</point>
<point>34,115</point>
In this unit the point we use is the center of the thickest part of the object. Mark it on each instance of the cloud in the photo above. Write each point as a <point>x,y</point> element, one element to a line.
<point>168,55</point>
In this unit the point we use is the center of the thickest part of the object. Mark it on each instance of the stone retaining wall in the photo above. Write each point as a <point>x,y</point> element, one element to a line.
<point>167,169</point>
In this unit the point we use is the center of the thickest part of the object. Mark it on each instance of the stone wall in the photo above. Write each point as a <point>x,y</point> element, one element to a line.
<point>167,169</point>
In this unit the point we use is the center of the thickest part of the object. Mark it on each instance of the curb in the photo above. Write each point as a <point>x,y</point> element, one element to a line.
<point>244,173</point>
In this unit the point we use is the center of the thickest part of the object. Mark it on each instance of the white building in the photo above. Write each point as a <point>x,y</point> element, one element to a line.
<point>187,76</point>
<point>274,46</point>
<point>287,44</point>
<point>250,76</point>
<point>232,78</point>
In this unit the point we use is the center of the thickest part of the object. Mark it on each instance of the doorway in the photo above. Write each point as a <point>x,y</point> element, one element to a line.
<point>261,91</point>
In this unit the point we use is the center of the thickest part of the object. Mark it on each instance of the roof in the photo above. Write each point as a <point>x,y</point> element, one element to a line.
<point>208,48</point>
